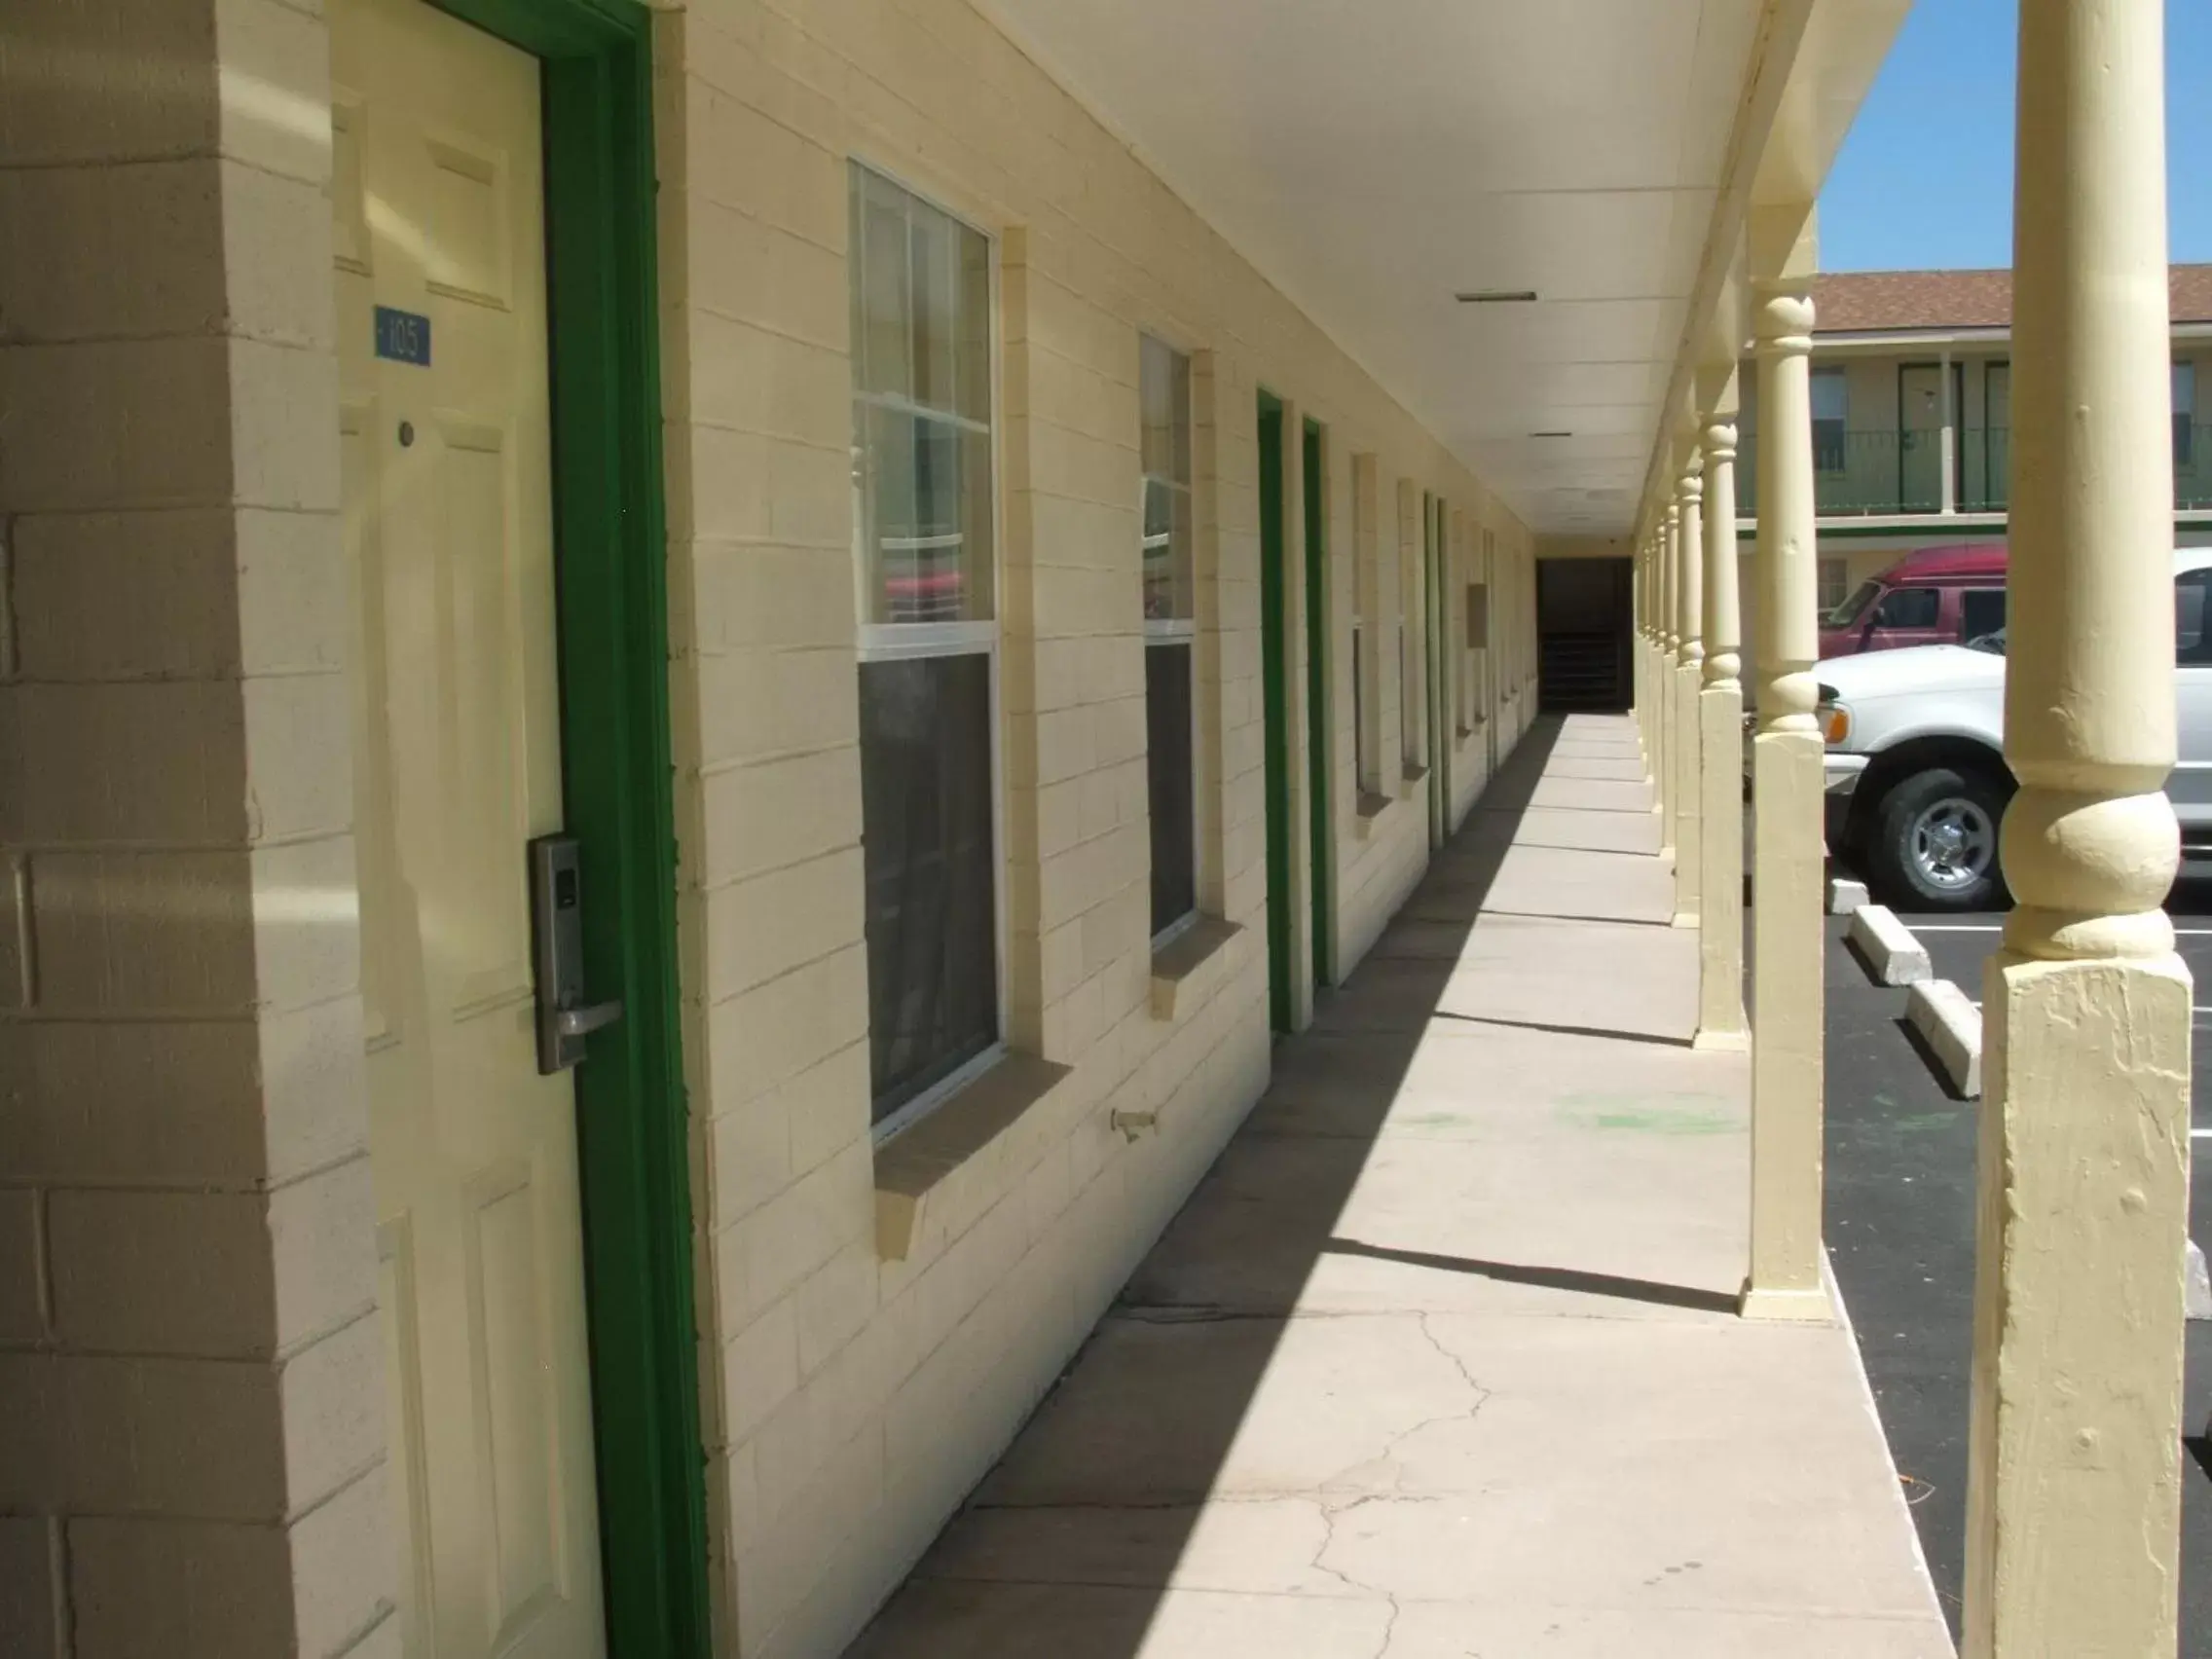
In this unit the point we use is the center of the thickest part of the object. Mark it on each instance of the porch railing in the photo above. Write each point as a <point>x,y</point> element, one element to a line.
<point>1894,474</point>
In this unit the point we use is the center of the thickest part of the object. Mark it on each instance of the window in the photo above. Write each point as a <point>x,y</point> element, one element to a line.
<point>1910,607</point>
<point>924,523</point>
<point>2185,414</point>
<point>1834,584</point>
<point>1981,610</point>
<point>1164,396</point>
<point>1831,413</point>
<point>2191,647</point>
<point>1854,609</point>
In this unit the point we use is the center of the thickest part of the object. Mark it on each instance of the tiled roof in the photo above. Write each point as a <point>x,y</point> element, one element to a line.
<point>1879,302</point>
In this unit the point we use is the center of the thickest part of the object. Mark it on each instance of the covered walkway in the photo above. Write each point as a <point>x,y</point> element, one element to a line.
<point>1443,1357</point>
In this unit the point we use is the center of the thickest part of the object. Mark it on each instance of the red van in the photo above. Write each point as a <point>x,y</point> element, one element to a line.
<point>1936,595</point>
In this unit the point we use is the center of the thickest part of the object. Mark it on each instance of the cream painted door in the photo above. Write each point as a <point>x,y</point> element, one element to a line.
<point>438,232</point>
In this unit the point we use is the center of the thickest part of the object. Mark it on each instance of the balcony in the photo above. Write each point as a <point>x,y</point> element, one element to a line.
<point>1892,475</point>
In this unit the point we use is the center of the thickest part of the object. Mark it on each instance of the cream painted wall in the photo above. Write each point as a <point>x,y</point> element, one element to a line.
<point>863,1371</point>
<point>198,927</point>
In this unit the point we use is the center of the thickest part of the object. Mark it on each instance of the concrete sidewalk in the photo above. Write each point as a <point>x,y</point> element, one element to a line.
<point>1440,1360</point>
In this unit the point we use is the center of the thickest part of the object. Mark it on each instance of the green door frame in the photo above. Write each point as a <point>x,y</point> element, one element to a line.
<point>1274,672</point>
<point>1439,695</point>
<point>612,580</point>
<point>1319,820</point>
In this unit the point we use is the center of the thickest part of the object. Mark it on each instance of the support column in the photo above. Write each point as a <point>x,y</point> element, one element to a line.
<point>1720,725</point>
<point>1690,676</point>
<point>2073,1496</point>
<point>1669,600</point>
<point>1786,1265</point>
<point>1640,572</point>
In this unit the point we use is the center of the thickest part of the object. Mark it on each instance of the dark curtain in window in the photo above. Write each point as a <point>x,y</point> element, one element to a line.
<point>926,820</point>
<point>1168,764</point>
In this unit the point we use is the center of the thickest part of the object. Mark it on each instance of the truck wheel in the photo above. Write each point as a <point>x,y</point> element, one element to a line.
<point>1933,845</point>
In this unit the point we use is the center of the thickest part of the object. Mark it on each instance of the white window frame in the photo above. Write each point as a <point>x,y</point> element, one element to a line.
<point>894,641</point>
<point>1176,630</point>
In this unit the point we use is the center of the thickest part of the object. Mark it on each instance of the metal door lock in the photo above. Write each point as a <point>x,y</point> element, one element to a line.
<point>557,933</point>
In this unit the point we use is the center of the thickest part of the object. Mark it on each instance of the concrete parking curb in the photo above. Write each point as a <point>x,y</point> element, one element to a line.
<point>1887,946</point>
<point>1845,896</point>
<point>1951,1027</point>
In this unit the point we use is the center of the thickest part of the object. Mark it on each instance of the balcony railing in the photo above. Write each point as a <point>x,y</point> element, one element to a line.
<point>1897,474</point>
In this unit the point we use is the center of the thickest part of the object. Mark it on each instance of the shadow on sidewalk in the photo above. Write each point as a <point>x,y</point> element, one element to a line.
<point>1071,1544</point>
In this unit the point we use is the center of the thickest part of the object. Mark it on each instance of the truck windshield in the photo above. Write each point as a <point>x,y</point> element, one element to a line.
<point>1854,607</point>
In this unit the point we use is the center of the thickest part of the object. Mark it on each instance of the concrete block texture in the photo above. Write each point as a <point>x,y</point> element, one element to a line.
<point>1887,947</point>
<point>1950,1025</point>
<point>855,1399</point>
<point>191,1401</point>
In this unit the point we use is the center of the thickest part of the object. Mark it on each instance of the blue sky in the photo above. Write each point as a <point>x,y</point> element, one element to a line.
<point>1926,178</point>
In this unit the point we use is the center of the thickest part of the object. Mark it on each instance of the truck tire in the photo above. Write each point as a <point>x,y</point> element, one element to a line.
<point>1933,841</point>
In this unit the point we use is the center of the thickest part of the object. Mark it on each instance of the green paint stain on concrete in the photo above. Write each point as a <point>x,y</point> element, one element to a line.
<point>1654,1115</point>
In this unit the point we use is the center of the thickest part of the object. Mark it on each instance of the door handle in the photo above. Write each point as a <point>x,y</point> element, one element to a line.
<point>556,924</point>
<point>581,1021</point>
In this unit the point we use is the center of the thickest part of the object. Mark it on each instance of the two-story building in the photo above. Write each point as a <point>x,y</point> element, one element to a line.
<point>1912,399</point>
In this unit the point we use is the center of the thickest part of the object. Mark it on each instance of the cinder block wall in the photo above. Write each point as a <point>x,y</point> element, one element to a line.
<point>191,1423</point>
<point>853,1399</point>
<point>191,1437</point>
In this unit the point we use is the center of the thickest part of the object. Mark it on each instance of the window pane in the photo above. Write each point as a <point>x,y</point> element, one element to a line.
<point>1163,401</point>
<point>882,360</point>
<point>1910,607</point>
<point>937,308</point>
<point>926,823</point>
<point>1833,575</point>
<point>921,410</point>
<point>925,519</point>
<point>1981,610</point>
<point>1167,768</point>
<point>1167,552</point>
<point>1165,392</point>
<point>2190,646</point>
<point>1362,762</point>
<point>1830,395</point>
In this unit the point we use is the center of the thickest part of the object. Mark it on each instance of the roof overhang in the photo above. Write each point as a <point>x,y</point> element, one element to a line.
<point>1375,162</point>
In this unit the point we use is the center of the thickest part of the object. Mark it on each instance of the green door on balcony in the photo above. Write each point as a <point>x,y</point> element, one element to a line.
<point>1923,412</point>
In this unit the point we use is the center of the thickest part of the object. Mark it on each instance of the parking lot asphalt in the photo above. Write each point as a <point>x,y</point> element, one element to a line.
<point>1901,1195</point>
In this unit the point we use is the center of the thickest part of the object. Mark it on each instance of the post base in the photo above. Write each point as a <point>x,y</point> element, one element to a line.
<point>1809,1306</point>
<point>1685,919</point>
<point>1722,1042</point>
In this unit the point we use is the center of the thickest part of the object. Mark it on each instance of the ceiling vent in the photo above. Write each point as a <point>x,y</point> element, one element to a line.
<point>1495,295</point>
<point>1551,434</point>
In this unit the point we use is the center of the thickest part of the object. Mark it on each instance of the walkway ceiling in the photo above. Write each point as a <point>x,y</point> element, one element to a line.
<point>1376,158</point>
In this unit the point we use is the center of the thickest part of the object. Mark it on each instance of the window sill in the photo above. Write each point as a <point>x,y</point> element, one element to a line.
<point>1367,812</point>
<point>1179,968</point>
<point>965,1123</point>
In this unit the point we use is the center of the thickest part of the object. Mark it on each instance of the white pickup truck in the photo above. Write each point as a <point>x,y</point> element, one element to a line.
<point>1916,775</point>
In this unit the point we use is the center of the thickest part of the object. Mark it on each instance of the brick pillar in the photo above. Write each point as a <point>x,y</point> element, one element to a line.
<point>191,1393</point>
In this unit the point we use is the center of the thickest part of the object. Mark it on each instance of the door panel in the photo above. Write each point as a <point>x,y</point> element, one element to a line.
<point>446,486</point>
<point>1920,438</point>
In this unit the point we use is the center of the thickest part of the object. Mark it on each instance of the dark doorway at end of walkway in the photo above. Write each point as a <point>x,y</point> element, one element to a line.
<point>1582,625</point>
